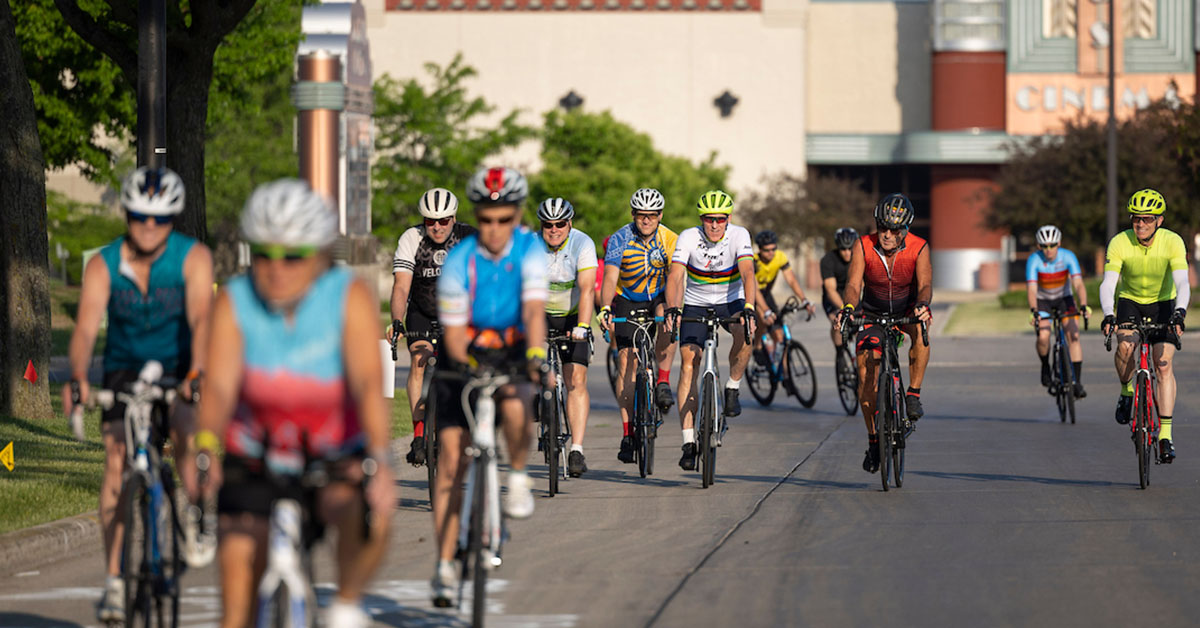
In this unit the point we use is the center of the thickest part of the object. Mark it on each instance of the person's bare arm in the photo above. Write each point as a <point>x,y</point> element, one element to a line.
<point>456,341</point>
<point>1080,291</point>
<point>401,286</point>
<point>924,285</point>
<point>93,300</point>
<point>222,383</point>
<point>1031,294</point>
<point>753,296</point>
<point>198,280</point>
<point>854,275</point>
<point>674,290</point>
<point>587,295</point>
<point>830,286</point>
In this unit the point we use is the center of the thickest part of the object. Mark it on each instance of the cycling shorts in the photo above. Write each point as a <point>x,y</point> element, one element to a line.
<point>622,307</point>
<point>577,352</point>
<point>415,321</point>
<point>1129,311</point>
<point>245,489</point>
<point>1065,304</point>
<point>118,380</point>
<point>872,337</point>
<point>447,400</point>
<point>697,333</point>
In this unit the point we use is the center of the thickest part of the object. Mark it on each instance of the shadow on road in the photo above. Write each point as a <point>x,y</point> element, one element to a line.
<point>25,620</point>
<point>997,419</point>
<point>1005,477</point>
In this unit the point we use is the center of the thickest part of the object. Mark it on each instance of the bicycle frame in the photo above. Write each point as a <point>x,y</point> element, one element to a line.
<point>644,419</point>
<point>710,430</point>
<point>562,435</point>
<point>1144,434</point>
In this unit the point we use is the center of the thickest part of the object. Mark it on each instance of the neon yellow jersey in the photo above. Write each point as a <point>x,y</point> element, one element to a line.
<point>1146,270</point>
<point>765,273</point>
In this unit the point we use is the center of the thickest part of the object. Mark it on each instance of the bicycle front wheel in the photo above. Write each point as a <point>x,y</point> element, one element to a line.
<point>883,424</point>
<point>847,380</point>
<point>707,432</point>
<point>476,547</point>
<point>1141,428</point>
<point>798,368</point>
<point>136,552</point>
<point>761,378</point>
<point>431,442</point>
<point>1067,391</point>
<point>169,537</point>
<point>899,443</point>
<point>550,417</point>
<point>641,411</point>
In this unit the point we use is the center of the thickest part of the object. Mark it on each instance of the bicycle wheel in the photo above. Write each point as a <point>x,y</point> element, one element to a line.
<point>649,431</point>
<point>612,366</point>
<point>1067,376</point>
<point>847,380</point>
<point>900,444</point>
<point>761,377</point>
<point>431,442</point>
<point>475,544</point>
<point>136,551</point>
<point>1056,385</point>
<point>798,368</point>
<point>707,433</point>
<point>170,559</point>
<point>551,420</point>
<point>883,429</point>
<point>1141,433</point>
<point>641,407</point>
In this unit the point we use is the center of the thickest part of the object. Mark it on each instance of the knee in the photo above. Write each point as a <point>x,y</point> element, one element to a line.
<point>1163,368</point>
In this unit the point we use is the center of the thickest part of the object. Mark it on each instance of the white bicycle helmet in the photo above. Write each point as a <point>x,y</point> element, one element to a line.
<point>1048,234</point>
<point>438,203</point>
<point>556,209</point>
<point>647,200</point>
<point>153,191</point>
<point>497,186</point>
<point>290,213</point>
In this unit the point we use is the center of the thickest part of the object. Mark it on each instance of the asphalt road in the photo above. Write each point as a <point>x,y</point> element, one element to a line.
<point>1007,517</point>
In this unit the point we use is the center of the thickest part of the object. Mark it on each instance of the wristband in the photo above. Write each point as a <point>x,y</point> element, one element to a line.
<point>206,439</point>
<point>847,306</point>
<point>606,309</point>
<point>535,353</point>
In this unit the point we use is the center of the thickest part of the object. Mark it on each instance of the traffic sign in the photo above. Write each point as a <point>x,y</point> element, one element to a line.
<point>6,456</point>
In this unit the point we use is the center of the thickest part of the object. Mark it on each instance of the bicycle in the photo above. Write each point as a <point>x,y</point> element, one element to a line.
<point>1062,374</point>
<point>554,430</point>
<point>1145,423</point>
<point>847,379</point>
<point>612,357</point>
<point>710,418</point>
<point>892,425</point>
<point>152,558</point>
<point>645,418</point>
<point>792,366</point>
<point>433,336</point>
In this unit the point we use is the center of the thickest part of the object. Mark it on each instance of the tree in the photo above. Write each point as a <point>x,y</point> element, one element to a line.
<point>24,296</point>
<point>430,138</point>
<point>195,29</point>
<point>596,162</point>
<point>799,209</point>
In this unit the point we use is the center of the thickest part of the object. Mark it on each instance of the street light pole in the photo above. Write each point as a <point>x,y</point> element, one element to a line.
<point>1112,121</point>
<point>152,84</point>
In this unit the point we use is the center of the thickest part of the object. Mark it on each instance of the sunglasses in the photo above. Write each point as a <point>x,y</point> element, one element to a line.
<point>715,219</point>
<point>1144,219</point>
<point>895,230</point>
<point>646,215</point>
<point>279,251</point>
<point>497,221</point>
<point>144,218</point>
<point>1047,247</point>
<point>429,222</point>
<point>554,225</point>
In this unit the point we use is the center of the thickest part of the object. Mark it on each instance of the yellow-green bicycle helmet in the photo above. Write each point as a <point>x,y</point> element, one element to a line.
<point>714,202</point>
<point>1147,202</point>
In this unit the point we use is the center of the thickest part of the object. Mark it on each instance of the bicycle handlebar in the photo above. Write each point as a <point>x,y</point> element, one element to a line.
<point>1141,328</point>
<point>887,321</point>
<point>713,321</point>
<point>794,304</point>
<point>433,335</point>
<point>639,321</point>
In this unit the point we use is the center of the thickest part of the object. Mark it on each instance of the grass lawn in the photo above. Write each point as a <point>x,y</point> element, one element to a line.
<point>64,304</point>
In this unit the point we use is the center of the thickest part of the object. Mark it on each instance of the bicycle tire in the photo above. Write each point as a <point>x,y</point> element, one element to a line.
<point>1067,390</point>
<point>135,551</point>
<point>641,407</point>
<point>800,372</point>
<point>431,443</point>
<point>847,380</point>
<point>613,371</point>
<point>882,427</point>
<point>761,377</point>
<point>900,445</point>
<point>475,544</point>
<point>1141,435</point>
<point>564,435</point>
<point>551,421</point>
<point>171,557</point>
<point>1056,382</point>
<point>707,433</point>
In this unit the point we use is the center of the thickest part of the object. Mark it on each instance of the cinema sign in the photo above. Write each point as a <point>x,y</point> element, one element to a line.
<point>1039,103</point>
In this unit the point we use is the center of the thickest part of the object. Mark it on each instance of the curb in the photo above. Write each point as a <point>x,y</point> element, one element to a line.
<point>46,543</point>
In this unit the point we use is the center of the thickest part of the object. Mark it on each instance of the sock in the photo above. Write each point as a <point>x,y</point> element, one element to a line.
<point>1078,368</point>
<point>872,439</point>
<point>1045,361</point>
<point>625,429</point>
<point>664,376</point>
<point>733,384</point>
<point>689,435</point>
<point>914,392</point>
<point>575,447</point>
<point>1165,430</point>
<point>517,475</point>
<point>1127,389</point>
<point>418,429</point>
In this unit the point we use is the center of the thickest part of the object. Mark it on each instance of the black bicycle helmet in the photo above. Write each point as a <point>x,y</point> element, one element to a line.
<point>845,238</point>
<point>895,211</point>
<point>765,238</point>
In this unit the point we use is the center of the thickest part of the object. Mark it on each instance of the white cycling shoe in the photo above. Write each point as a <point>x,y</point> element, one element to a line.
<point>444,584</point>
<point>343,614</point>
<point>518,503</point>
<point>111,607</point>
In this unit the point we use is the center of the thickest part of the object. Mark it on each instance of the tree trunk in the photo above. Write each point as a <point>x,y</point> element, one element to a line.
<point>189,76</point>
<point>24,255</point>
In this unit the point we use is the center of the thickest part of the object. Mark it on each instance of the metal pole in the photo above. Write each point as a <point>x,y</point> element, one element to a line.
<point>1112,121</point>
<point>152,84</point>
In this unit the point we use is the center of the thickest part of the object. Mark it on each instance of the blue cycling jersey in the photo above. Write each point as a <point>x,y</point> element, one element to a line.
<point>486,291</point>
<point>1053,276</point>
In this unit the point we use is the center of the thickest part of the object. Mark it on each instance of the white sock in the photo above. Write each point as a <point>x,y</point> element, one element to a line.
<point>733,384</point>
<point>575,447</point>
<point>517,475</point>
<point>689,435</point>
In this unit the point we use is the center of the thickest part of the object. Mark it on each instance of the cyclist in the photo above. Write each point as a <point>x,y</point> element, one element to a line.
<point>571,260</point>
<point>769,264</point>
<point>834,267</point>
<point>492,304</point>
<point>416,267</point>
<point>299,376</point>
<point>1146,275</point>
<point>155,286</point>
<point>1047,274</point>
<point>635,275</point>
<point>891,272</point>
<point>707,268</point>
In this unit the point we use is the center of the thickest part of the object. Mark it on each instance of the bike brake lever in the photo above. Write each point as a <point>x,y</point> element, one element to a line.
<point>925,333</point>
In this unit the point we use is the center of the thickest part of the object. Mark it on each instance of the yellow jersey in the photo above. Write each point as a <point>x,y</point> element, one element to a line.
<point>1146,270</point>
<point>765,273</point>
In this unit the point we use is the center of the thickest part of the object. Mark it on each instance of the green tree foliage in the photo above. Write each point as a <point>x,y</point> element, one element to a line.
<point>1060,180</point>
<point>78,227</point>
<point>596,162</point>
<point>799,209</point>
<point>431,137</point>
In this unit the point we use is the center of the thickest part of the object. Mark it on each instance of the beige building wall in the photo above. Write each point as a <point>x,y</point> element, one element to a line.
<point>869,67</point>
<point>659,72</point>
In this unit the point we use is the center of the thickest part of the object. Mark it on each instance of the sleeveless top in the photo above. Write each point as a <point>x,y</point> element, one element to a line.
<point>154,325</point>
<point>890,285</point>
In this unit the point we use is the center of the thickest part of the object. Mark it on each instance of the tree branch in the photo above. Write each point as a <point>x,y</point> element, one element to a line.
<point>98,36</point>
<point>212,20</point>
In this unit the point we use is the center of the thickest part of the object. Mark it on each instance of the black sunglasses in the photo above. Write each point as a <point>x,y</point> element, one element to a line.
<point>133,216</point>
<point>429,222</point>
<point>554,225</point>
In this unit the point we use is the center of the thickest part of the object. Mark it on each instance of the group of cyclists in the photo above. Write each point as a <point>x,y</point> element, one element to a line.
<point>287,355</point>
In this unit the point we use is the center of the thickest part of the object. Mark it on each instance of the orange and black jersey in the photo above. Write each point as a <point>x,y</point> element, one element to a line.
<point>890,285</point>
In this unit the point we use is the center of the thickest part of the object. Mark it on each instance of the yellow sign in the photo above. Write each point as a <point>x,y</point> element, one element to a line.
<point>6,456</point>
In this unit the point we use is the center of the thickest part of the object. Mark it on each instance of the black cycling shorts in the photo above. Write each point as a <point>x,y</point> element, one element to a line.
<point>417,322</point>
<point>447,400</point>
<point>696,333</point>
<point>1065,305</point>
<point>870,337</point>
<point>1131,311</point>
<point>577,352</point>
<point>621,308</point>
<point>119,380</point>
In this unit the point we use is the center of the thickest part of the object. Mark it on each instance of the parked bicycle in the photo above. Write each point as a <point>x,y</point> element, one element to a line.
<point>554,430</point>
<point>1062,375</point>
<point>1145,422</point>
<point>426,401</point>
<point>645,419</point>
<point>788,364</point>
<point>892,425</point>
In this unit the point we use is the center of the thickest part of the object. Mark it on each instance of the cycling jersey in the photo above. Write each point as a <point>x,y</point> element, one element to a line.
<point>832,265</point>
<point>643,264</point>
<point>486,291</point>
<point>154,325</point>
<point>890,286</point>
<point>765,273</point>
<point>713,277</point>
<point>293,389</point>
<point>575,254</point>
<point>1146,272</point>
<point>423,258</point>
<point>1053,276</point>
